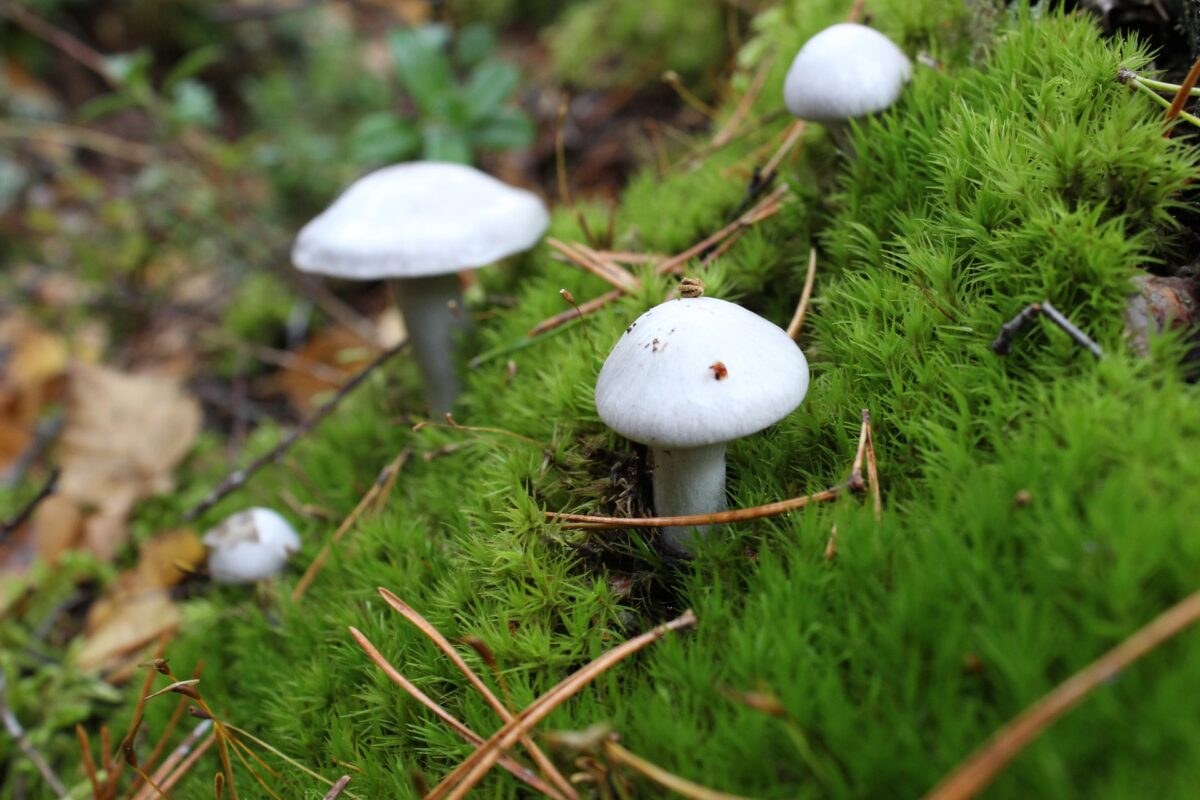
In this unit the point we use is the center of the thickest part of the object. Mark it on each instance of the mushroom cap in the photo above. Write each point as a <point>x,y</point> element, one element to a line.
<point>250,546</point>
<point>845,71</point>
<point>418,219</point>
<point>698,371</point>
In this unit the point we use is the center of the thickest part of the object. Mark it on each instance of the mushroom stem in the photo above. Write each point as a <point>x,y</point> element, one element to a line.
<point>688,480</point>
<point>434,316</point>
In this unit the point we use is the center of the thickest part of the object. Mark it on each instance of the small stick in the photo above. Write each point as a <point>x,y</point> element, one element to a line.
<point>424,626</point>
<point>676,784</point>
<point>519,771</point>
<point>793,328</point>
<point>475,766</point>
<point>336,790</point>
<point>59,40</point>
<point>17,519</point>
<point>13,726</point>
<point>1002,344</point>
<point>974,774</point>
<point>238,478</point>
<point>79,137</point>
<point>383,482</point>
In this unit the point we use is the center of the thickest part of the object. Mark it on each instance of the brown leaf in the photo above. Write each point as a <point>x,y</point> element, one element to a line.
<point>124,434</point>
<point>57,525</point>
<point>139,619</point>
<point>328,353</point>
<point>166,559</point>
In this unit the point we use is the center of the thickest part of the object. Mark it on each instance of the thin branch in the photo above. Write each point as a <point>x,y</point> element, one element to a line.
<point>13,726</point>
<point>475,766</point>
<point>59,39</point>
<point>522,773</point>
<point>668,780</point>
<point>973,775</point>
<point>793,328</point>
<point>383,482</point>
<point>1002,344</point>
<point>238,478</point>
<point>63,135</point>
<point>18,519</point>
<point>539,758</point>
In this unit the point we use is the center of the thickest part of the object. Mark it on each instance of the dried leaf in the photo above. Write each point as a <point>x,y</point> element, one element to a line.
<point>57,525</point>
<point>138,620</point>
<point>166,559</point>
<point>124,435</point>
<point>329,352</point>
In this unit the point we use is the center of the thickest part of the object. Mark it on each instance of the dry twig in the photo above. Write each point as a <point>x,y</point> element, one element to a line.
<point>336,790</point>
<point>973,775</point>
<point>1002,344</point>
<point>238,478</point>
<point>668,780</point>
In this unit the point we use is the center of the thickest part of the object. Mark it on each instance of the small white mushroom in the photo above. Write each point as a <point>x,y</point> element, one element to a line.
<point>418,224</point>
<point>845,71</point>
<point>250,546</point>
<point>689,376</point>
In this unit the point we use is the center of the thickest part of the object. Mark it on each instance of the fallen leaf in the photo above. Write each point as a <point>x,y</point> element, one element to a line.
<point>123,436</point>
<point>56,526</point>
<point>140,619</point>
<point>32,363</point>
<point>329,353</point>
<point>166,559</point>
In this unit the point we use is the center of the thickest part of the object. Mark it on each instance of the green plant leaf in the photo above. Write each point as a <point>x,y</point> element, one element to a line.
<point>488,87</point>
<point>130,69</point>
<point>104,105</point>
<point>192,103</point>
<point>473,44</point>
<point>423,67</point>
<point>191,65</point>
<point>442,143</point>
<point>383,137</point>
<point>507,129</point>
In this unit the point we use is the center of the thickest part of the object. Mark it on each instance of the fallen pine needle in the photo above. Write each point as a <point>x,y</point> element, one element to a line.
<point>521,772</point>
<point>382,484</point>
<point>973,775</point>
<point>680,786</point>
<point>434,635</point>
<point>793,328</point>
<point>336,791</point>
<point>464,777</point>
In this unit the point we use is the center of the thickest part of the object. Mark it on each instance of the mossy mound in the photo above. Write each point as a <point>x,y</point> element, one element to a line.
<point>1030,176</point>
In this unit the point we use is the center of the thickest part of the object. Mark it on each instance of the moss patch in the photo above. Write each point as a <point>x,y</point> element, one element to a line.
<point>1030,176</point>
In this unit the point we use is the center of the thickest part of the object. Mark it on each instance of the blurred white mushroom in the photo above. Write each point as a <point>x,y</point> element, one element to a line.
<point>250,546</point>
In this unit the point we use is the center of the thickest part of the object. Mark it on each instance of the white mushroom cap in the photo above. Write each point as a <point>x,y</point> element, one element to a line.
<point>698,371</point>
<point>250,546</point>
<point>418,219</point>
<point>845,71</point>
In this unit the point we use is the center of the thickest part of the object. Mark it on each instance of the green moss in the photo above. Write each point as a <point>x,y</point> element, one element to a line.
<point>1033,176</point>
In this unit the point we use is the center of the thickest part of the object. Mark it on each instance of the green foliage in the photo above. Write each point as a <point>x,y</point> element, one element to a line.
<point>602,44</point>
<point>180,102</point>
<point>450,119</point>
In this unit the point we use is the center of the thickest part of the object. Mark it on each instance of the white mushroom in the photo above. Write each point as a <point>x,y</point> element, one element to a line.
<point>687,377</point>
<point>418,224</point>
<point>845,71</point>
<point>250,546</point>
